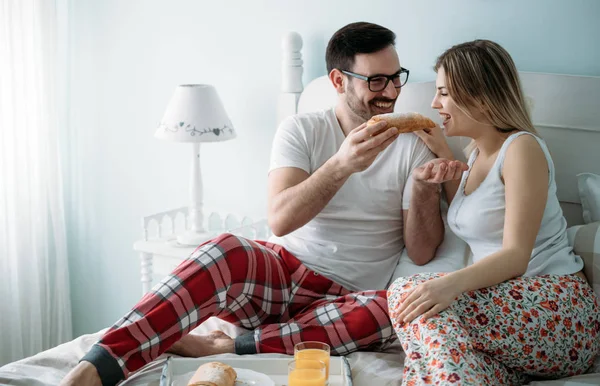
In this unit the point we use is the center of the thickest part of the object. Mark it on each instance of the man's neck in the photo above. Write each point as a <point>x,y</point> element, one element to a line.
<point>347,120</point>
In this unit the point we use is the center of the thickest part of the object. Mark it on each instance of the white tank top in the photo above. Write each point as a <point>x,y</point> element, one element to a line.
<point>479,219</point>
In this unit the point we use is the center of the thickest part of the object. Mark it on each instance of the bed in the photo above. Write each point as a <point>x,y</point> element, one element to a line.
<point>566,110</point>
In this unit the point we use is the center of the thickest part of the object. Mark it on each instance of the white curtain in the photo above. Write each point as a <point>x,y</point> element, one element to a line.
<point>35,309</point>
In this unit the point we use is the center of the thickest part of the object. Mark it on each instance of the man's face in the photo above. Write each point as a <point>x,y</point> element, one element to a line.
<point>363,102</point>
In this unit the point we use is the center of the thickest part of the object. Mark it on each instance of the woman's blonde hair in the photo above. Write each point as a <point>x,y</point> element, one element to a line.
<point>481,74</point>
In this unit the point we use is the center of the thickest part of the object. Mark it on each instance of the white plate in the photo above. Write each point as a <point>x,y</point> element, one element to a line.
<point>245,377</point>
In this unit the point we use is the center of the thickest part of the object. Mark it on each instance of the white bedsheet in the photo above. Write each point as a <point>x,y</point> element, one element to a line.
<point>368,369</point>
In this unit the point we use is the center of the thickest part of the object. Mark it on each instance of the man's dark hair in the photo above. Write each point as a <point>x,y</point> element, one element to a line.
<point>356,38</point>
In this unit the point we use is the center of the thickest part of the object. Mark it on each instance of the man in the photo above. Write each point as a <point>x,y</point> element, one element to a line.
<point>339,199</point>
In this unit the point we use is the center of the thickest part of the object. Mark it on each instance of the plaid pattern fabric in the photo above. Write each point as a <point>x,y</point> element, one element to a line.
<point>587,245</point>
<point>253,284</point>
<point>348,322</point>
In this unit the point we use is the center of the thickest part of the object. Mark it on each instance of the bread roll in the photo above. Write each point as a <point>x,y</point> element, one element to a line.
<point>213,374</point>
<point>404,122</point>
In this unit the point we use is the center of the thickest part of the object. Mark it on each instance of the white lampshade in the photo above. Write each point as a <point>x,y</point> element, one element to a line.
<point>195,114</point>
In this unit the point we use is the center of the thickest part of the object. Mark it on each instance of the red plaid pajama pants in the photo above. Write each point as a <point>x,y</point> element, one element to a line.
<point>253,284</point>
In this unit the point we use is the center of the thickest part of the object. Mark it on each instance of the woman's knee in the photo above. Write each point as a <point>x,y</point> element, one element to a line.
<point>402,286</point>
<point>405,284</point>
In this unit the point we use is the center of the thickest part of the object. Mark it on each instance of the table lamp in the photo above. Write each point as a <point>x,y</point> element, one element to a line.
<point>195,114</point>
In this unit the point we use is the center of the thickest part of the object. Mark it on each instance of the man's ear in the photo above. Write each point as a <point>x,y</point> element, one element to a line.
<point>337,79</point>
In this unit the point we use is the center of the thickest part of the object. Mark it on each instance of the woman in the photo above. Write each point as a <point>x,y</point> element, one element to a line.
<point>523,308</point>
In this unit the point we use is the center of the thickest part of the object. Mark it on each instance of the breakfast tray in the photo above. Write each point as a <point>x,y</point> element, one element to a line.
<point>178,371</point>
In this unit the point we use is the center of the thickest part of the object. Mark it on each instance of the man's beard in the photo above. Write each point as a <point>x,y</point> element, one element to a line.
<point>358,107</point>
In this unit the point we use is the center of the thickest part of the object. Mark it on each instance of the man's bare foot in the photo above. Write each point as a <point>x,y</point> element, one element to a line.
<point>217,342</point>
<point>84,374</point>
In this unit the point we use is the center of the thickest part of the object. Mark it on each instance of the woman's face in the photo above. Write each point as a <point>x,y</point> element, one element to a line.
<point>455,121</point>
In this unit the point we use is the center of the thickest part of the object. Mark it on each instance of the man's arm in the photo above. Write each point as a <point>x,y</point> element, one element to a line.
<point>295,197</point>
<point>423,225</point>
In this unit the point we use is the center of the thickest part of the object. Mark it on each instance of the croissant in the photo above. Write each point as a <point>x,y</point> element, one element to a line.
<point>213,374</point>
<point>404,122</point>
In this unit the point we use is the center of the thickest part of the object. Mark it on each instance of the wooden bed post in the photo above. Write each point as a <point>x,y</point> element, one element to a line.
<point>291,75</point>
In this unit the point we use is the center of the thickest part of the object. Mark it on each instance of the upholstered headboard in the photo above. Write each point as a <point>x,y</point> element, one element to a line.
<point>565,110</point>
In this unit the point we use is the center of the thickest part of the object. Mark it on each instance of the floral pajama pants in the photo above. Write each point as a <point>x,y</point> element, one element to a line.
<point>526,328</point>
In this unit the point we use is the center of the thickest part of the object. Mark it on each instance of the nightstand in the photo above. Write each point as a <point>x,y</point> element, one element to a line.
<point>159,257</point>
<point>160,253</point>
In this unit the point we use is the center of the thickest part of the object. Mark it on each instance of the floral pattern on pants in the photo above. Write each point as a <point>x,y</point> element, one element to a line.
<point>527,327</point>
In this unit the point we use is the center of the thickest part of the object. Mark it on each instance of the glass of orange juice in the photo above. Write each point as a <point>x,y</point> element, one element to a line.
<point>307,372</point>
<point>313,351</point>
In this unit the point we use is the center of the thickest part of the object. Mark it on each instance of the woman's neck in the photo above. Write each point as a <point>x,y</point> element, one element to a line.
<point>490,142</point>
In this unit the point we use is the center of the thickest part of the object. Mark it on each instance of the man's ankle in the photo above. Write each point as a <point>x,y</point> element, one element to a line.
<point>245,344</point>
<point>84,373</point>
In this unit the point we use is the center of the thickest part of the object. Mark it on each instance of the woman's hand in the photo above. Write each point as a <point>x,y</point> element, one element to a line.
<point>436,142</point>
<point>440,170</point>
<point>429,299</point>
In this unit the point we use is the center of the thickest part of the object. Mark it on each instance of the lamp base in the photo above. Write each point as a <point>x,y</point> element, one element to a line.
<point>193,238</point>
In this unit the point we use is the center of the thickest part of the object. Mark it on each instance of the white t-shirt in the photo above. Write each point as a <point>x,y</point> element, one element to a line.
<point>357,239</point>
<point>479,219</point>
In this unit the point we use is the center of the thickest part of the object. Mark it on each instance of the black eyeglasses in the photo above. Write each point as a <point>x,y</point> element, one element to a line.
<point>380,82</point>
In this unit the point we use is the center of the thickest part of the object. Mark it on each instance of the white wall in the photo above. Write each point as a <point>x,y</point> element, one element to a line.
<point>128,56</point>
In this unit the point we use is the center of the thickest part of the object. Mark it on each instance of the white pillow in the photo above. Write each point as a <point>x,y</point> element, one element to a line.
<point>585,240</point>
<point>452,255</point>
<point>589,193</point>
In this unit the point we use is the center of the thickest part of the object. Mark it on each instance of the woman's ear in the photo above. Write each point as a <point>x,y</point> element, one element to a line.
<point>337,80</point>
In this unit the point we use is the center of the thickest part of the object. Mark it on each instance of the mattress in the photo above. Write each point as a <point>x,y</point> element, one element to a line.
<point>368,368</point>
